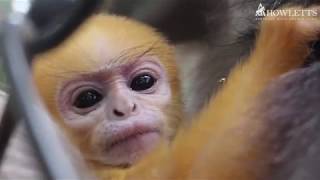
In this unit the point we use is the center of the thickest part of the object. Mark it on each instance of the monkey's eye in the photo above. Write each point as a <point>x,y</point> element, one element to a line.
<point>142,82</point>
<point>87,98</point>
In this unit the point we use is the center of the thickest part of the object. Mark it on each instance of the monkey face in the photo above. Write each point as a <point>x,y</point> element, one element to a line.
<point>121,108</point>
<point>115,92</point>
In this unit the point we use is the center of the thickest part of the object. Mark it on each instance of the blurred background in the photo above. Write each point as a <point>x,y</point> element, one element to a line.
<point>183,23</point>
<point>161,14</point>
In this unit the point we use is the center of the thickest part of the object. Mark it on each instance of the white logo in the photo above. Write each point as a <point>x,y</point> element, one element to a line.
<point>260,12</point>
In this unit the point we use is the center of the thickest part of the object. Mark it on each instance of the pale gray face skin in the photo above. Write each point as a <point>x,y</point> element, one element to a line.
<point>120,107</point>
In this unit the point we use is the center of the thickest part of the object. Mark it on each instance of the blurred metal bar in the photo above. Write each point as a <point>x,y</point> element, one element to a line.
<point>50,148</point>
<point>23,99</point>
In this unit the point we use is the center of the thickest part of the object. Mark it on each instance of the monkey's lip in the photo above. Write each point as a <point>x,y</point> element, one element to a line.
<point>125,136</point>
<point>130,144</point>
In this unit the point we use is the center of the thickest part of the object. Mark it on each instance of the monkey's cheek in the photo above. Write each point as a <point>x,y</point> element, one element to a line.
<point>129,151</point>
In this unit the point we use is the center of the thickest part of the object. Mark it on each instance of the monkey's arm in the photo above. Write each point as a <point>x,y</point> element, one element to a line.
<point>226,142</point>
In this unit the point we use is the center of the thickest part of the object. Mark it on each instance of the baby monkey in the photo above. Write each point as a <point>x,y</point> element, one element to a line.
<point>113,87</point>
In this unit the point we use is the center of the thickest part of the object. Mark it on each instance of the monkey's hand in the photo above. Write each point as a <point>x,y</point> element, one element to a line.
<point>282,45</point>
<point>283,40</point>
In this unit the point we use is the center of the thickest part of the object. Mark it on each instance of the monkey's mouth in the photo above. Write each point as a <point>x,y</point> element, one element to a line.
<point>126,138</point>
<point>130,145</point>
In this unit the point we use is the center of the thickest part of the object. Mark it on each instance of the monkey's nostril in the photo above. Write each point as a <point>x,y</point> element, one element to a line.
<point>134,107</point>
<point>118,113</point>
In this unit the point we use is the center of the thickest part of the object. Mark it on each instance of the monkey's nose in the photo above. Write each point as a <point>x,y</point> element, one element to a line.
<point>118,113</point>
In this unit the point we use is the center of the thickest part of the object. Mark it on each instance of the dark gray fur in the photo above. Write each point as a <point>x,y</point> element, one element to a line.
<point>232,27</point>
<point>291,106</point>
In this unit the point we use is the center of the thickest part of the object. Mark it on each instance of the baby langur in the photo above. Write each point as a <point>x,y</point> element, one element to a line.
<point>112,86</point>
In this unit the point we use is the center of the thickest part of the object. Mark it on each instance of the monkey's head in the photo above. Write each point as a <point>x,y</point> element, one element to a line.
<point>113,87</point>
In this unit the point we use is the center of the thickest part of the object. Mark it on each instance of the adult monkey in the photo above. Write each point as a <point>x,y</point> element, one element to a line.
<point>260,125</point>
